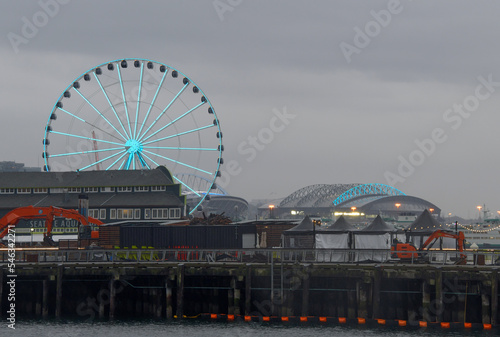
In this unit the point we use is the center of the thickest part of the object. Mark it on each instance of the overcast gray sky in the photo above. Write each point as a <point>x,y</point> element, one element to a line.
<point>400,93</point>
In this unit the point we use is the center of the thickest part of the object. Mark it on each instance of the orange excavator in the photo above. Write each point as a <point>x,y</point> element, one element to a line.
<point>48,213</point>
<point>408,252</point>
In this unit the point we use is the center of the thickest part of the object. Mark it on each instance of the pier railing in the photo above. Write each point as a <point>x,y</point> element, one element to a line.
<point>284,255</point>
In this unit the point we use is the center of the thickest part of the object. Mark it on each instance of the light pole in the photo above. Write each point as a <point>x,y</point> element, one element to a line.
<point>31,236</point>
<point>479,209</point>
<point>271,215</point>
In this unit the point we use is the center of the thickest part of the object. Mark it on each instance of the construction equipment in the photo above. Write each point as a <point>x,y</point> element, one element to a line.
<point>48,213</point>
<point>406,252</point>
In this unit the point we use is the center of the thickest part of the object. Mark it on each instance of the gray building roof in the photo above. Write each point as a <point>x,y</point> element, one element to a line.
<point>112,178</point>
<point>96,200</point>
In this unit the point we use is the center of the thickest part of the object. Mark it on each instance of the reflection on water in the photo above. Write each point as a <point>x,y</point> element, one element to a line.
<point>207,329</point>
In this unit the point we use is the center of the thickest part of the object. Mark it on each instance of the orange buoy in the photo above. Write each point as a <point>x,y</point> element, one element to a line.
<point>265,318</point>
<point>422,324</point>
<point>284,319</point>
<point>230,317</point>
<point>487,326</point>
<point>322,319</point>
<point>342,320</point>
<point>361,320</point>
<point>401,322</point>
<point>381,321</point>
<point>445,325</point>
<point>248,318</point>
<point>467,325</point>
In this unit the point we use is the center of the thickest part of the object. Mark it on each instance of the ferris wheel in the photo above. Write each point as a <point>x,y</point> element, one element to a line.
<point>133,114</point>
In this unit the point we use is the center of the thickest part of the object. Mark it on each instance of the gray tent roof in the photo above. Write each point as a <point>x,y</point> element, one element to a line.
<point>379,225</point>
<point>341,225</point>
<point>425,223</point>
<point>303,227</point>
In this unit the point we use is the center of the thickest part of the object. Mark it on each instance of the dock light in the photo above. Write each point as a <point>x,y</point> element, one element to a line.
<point>271,207</point>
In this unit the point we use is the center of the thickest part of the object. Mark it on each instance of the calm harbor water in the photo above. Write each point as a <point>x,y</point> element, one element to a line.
<point>209,329</point>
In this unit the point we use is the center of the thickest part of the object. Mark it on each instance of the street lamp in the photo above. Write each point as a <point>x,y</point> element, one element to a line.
<point>479,209</point>
<point>31,236</point>
<point>271,207</point>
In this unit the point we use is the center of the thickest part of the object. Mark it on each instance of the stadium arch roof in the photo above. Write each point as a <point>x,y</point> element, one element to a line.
<point>332,195</point>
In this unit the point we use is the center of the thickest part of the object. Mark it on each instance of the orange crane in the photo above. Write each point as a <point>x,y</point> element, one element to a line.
<point>48,213</point>
<point>407,251</point>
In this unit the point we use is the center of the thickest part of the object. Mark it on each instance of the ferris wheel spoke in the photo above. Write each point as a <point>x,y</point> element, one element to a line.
<point>72,115</point>
<point>84,121</point>
<point>142,161</point>
<point>175,120</point>
<point>124,99</point>
<point>116,161</point>
<point>109,102</point>
<point>179,162</point>
<point>180,148</point>
<point>153,102</point>
<point>138,100</point>
<point>93,107</point>
<point>84,152</point>
<point>179,134</point>
<point>129,160</point>
<point>100,161</point>
<point>187,186</point>
<point>164,110</point>
<point>83,137</point>
<point>150,159</point>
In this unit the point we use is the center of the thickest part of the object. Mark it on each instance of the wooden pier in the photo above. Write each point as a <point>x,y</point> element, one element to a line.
<point>263,285</point>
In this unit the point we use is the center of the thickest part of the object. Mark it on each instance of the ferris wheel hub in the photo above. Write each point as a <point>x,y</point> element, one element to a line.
<point>133,146</point>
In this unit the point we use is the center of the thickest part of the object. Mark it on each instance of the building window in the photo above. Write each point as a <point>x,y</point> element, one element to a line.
<point>74,189</point>
<point>160,213</point>
<point>57,190</point>
<point>124,189</point>
<point>137,213</point>
<point>94,213</point>
<point>175,213</point>
<point>107,189</point>
<point>24,191</point>
<point>40,190</point>
<point>112,213</point>
<point>6,191</point>
<point>158,188</point>
<point>147,213</point>
<point>124,213</point>
<point>141,189</point>
<point>91,189</point>
<point>102,213</point>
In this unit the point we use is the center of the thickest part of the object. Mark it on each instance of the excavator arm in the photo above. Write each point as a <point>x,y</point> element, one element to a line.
<point>47,213</point>
<point>445,234</point>
<point>460,237</point>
